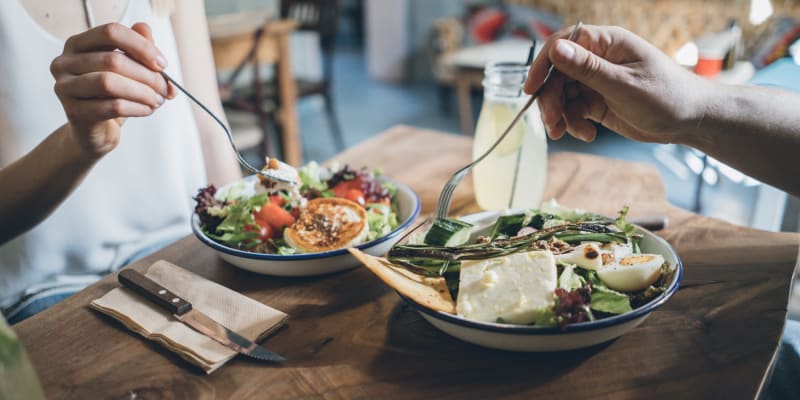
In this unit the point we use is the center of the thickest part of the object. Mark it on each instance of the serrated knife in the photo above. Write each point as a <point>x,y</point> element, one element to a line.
<point>184,312</point>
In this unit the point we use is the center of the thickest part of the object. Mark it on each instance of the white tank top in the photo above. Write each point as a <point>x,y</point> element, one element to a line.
<point>136,196</point>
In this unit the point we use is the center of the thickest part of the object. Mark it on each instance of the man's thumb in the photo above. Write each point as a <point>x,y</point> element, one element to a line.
<point>582,65</point>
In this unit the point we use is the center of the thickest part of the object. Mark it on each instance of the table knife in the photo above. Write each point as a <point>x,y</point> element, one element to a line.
<point>184,312</point>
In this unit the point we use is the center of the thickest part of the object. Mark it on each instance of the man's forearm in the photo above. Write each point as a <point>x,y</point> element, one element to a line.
<point>753,129</point>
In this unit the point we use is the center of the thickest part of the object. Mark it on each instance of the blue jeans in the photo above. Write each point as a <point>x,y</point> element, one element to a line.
<point>47,298</point>
<point>37,305</point>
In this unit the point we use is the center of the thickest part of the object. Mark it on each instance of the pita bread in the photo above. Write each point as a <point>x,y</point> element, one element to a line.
<point>429,292</point>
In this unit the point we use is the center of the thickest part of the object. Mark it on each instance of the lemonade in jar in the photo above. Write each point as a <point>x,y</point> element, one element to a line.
<point>513,175</point>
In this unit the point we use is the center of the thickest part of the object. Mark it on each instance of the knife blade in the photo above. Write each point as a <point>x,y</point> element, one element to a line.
<point>183,311</point>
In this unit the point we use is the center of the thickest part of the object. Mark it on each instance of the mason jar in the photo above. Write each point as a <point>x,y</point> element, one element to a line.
<point>513,175</point>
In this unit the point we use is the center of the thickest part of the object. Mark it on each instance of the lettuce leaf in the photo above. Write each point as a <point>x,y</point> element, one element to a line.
<point>546,317</point>
<point>622,224</point>
<point>286,250</point>
<point>609,301</point>
<point>628,229</point>
<point>569,280</point>
<point>310,176</point>
<point>381,220</point>
<point>239,214</point>
<point>605,299</point>
<point>237,191</point>
<point>567,214</point>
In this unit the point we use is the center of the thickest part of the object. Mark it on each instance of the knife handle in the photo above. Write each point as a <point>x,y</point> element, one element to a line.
<point>154,292</point>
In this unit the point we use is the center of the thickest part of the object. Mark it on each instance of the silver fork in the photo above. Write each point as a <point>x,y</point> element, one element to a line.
<point>241,159</point>
<point>443,204</point>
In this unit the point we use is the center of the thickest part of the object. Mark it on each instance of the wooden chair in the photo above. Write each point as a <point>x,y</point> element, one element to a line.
<point>320,16</point>
<point>251,40</point>
<point>251,99</point>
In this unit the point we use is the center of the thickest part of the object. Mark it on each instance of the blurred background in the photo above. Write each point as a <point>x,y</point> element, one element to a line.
<point>304,79</point>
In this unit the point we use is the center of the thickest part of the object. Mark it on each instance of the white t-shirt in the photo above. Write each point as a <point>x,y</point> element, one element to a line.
<point>136,196</point>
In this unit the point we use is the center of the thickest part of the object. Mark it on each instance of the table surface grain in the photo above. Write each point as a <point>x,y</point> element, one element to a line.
<point>350,336</point>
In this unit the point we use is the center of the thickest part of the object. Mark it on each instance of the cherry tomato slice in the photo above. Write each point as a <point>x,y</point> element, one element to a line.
<point>275,216</point>
<point>265,231</point>
<point>341,189</point>
<point>277,199</point>
<point>355,195</point>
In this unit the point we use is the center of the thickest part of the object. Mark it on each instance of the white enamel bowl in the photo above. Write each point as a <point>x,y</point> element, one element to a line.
<point>309,264</point>
<point>543,339</point>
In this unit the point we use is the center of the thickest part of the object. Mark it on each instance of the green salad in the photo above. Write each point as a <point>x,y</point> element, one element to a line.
<point>550,266</point>
<point>251,215</point>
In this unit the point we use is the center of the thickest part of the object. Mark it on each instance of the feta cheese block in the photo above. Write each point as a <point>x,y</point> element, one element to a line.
<point>512,289</point>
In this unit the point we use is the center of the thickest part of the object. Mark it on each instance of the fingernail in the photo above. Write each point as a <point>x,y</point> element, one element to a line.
<point>565,50</point>
<point>161,61</point>
<point>159,99</point>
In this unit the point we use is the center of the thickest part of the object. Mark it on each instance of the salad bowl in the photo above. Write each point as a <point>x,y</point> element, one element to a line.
<point>531,338</point>
<point>310,264</point>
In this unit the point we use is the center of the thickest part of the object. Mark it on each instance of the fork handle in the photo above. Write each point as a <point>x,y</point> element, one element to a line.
<point>200,104</point>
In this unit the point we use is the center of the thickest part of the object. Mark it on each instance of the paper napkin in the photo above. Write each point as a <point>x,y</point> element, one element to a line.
<point>240,313</point>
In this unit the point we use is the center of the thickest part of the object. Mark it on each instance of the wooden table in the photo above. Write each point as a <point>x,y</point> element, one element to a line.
<point>232,37</point>
<point>350,336</point>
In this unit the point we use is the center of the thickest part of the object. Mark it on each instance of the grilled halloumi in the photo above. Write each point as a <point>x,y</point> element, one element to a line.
<point>328,224</point>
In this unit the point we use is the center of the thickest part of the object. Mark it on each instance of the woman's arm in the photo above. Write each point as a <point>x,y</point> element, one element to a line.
<point>38,182</point>
<point>199,75</point>
<point>98,88</point>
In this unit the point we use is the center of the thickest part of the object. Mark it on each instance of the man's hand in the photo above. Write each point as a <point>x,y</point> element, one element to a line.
<point>613,77</point>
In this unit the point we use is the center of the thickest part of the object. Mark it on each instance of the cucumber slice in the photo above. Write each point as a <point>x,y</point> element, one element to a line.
<point>508,225</point>
<point>448,232</point>
<point>541,219</point>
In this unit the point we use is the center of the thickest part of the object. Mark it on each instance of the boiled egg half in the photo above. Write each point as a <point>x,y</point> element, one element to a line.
<point>632,273</point>
<point>586,256</point>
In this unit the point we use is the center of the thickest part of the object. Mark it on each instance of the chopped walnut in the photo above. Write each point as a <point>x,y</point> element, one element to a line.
<point>556,246</point>
<point>483,239</point>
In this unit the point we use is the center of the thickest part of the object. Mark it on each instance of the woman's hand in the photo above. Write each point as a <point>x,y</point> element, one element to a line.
<point>611,76</point>
<point>104,75</point>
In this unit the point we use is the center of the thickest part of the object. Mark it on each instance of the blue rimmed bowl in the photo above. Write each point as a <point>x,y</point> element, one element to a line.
<point>309,264</point>
<point>543,339</point>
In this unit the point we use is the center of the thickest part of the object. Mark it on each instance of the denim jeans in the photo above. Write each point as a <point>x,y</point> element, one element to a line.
<point>38,302</point>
